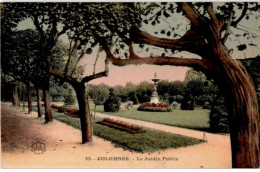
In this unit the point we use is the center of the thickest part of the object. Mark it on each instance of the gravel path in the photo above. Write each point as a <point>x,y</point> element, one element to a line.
<point>19,131</point>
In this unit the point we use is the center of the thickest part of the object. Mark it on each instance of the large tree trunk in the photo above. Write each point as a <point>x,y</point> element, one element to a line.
<point>47,105</point>
<point>29,98</point>
<point>84,113</point>
<point>38,102</point>
<point>15,97</point>
<point>242,106</point>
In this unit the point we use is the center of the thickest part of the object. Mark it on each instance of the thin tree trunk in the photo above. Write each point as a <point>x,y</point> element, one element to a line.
<point>95,111</point>
<point>29,98</point>
<point>47,105</point>
<point>242,106</point>
<point>20,93</point>
<point>84,113</point>
<point>38,102</point>
<point>23,102</point>
<point>15,97</point>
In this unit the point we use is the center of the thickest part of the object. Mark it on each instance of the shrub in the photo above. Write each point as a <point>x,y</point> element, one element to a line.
<point>112,104</point>
<point>62,109</point>
<point>218,118</point>
<point>69,99</point>
<point>132,97</point>
<point>206,105</point>
<point>187,103</point>
<point>152,107</point>
<point>58,99</point>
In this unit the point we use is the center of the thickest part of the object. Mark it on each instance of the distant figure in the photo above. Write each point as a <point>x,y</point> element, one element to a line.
<point>129,104</point>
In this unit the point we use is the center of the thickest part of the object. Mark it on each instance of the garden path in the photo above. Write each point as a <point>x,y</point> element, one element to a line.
<point>63,149</point>
<point>209,137</point>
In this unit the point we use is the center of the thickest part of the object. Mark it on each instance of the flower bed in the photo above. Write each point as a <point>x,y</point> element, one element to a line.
<point>54,106</point>
<point>152,107</point>
<point>67,111</point>
<point>72,112</point>
<point>120,125</point>
<point>62,109</point>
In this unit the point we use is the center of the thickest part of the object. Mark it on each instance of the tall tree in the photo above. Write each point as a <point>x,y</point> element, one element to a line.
<point>98,94</point>
<point>208,29</point>
<point>70,71</point>
<point>20,58</point>
<point>50,22</point>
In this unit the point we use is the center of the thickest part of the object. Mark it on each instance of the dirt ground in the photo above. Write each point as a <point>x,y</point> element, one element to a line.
<point>20,133</point>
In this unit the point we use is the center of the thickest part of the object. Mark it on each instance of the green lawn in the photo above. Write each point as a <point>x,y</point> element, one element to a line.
<point>194,119</point>
<point>147,141</point>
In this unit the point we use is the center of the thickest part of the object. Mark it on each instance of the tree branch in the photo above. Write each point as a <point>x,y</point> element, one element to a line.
<point>96,60</point>
<point>64,29</point>
<point>190,41</point>
<point>228,24</point>
<point>97,75</point>
<point>234,23</point>
<point>37,25</point>
<point>191,14</point>
<point>194,63</point>
<point>74,68</point>
<point>60,76</point>
<point>216,22</point>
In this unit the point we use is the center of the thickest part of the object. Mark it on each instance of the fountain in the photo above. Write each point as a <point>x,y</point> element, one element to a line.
<point>154,105</point>
<point>154,98</point>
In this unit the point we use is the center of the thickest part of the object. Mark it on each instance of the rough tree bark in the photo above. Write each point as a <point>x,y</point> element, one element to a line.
<point>29,98</point>
<point>84,113</point>
<point>242,106</point>
<point>38,102</point>
<point>47,105</point>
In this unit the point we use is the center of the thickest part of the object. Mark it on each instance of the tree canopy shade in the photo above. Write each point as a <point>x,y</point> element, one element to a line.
<point>20,58</point>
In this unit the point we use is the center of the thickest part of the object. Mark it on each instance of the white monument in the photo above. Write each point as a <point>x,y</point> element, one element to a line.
<point>154,98</point>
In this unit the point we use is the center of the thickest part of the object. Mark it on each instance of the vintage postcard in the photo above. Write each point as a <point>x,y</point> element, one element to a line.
<point>150,85</point>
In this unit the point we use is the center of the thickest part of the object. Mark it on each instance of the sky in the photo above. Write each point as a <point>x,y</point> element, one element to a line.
<point>136,74</point>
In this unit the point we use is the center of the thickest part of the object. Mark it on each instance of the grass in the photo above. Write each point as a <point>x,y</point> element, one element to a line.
<point>194,119</point>
<point>148,141</point>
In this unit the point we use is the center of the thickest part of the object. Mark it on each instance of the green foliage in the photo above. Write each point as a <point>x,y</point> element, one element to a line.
<point>137,93</point>
<point>178,98</point>
<point>187,103</point>
<point>121,93</point>
<point>193,75</point>
<point>112,104</point>
<point>218,119</point>
<point>199,88</point>
<point>206,105</point>
<point>98,93</point>
<point>252,66</point>
<point>20,57</point>
<point>172,88</point>
<point>69,99</point>
<point>147,141</point>
<point>133,97</point>
<point>144,91</point>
